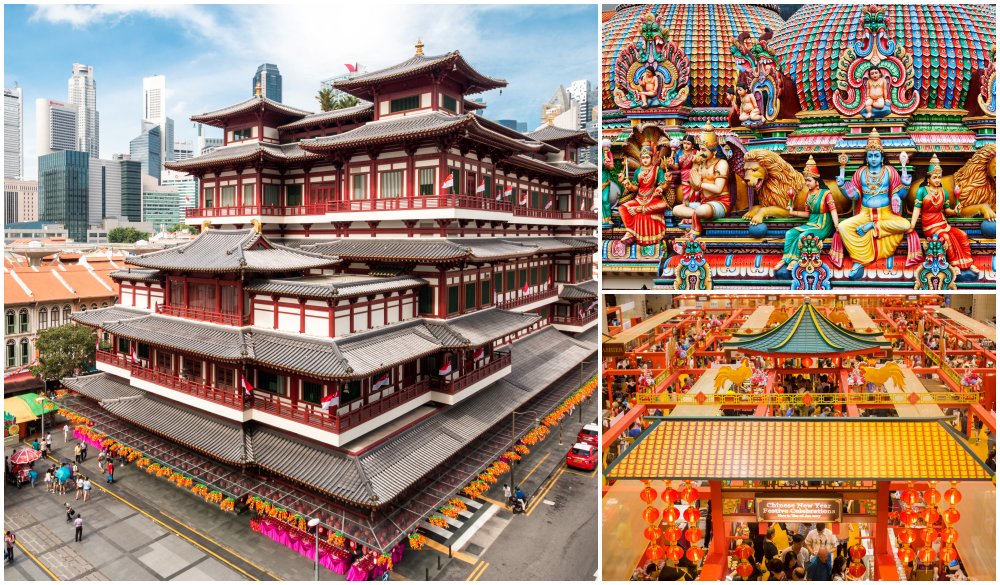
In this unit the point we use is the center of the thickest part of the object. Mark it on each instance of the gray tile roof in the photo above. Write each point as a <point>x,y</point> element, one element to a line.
<point>334,287</point>
<point>565,244</point>
<point>358,84</point>
<point>322,118</point>
<point>249,105</point>
<point>387,131</point>
<point>381,348</point>
<point>495,248</point>
<point>559,169</point>
<point>391,250</point>
<point>544,357</point>
<point>137,274</point>
<point>576,169</point>
<point>489,324</point>
<point>231,251</point>
<point>301,353</point>
<point>215,341</point>
<point>579,292</point>
<point>245,152</point>
<point>101,387</point>
<point>551,133</point>
<point>114,313</point>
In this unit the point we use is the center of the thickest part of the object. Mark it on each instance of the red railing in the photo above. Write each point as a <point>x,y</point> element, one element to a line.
<point>445,201</point>
<point>315,416</point>
<point>527,299</point>
<point>500,361</point>
<point>204,315</point>
<point>226,395</point>
<point>112,359</point>
<point>576,320</point>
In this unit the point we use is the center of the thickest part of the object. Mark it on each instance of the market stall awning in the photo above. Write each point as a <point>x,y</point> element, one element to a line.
<point>809,333</point>
<point>818,449</point>
<point>24,409</point>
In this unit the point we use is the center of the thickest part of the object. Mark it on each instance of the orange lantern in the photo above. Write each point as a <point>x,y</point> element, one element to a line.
<point>950,516</point>
<point>744,569</point>
<point>675,553</point>
<point>807,362</point>
<point>949,535</point>
<point>909,496</point>
<point>692,515</point>
<point>928,535</point>
<point>650,515</point>
<point>948,554</point>
<point>656,552</point>
<point>648,495</point>
<point>907,516</point>
<point>906,536</point>
<point>693,534</point>
<point>952,496</point>
<point>651,533</point>
<point>671,514</point>
<point>931,516</point>
<point>672,533</point>
<point>670,495</point>
<point>689,494</point>
<point>694,554</point>
<point>926,555</point>
<point>743,551</point>
<point>905,554</point>
<point>857,551</point>
<point>856,570</point>
<point>932,496</point>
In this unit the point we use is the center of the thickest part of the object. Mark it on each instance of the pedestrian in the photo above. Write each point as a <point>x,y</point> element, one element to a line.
<point>40,447</point>
<point>48,481</point>
<point>32,476</point>
<point>76,452</point>
<point>86,488</point>
<point>8,541</point>
<point>820,566</point>
<point>111,472</point>
<point>79,487</point>
<point>76,470</point>
<point>83,451</point>
<point>48,442</point>
<point>78,523</point>
<point>100,460</point>
<point>65,433</point>
<point>506,493</point>
<point>35,445</point>
<point>70,512</point>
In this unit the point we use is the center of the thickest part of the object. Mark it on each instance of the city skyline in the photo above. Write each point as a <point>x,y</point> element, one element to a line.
<point>109,38</point>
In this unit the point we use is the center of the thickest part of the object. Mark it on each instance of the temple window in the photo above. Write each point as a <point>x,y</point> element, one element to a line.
<point>270,382</point>
<point>209,196</point>
<point>534,275</point>
<point>272,195</point>
<point>293,195</point>
<point>487,186</point>
<point>485,292</point>
<point>426,179</point>
<point>410,102</point>
<point>456,175</point>
<point>225,377</point>
<point>122,345</point>
<point>425,301</point>
<point>228,196</point>
<point>176,292</point>
<point>312,392</point>
<point>191,369</point>
<point>228,298</point>
<point>164,361</point>
<point>452,299</point>
<point>248,194</point>
<point>511,275</point>
<point>391,184</point>
<point>470,295</point>
<point>498,281</point>
<point>524,276</point>
<point>449,103</point>
<point>470,184</point>
<point>534,199</point>
<point>350,391</point>
<point>359,186</point>
<point>142,350</point>
<point>242,134</point>
<point>202,296</point>
<point>562,273</point>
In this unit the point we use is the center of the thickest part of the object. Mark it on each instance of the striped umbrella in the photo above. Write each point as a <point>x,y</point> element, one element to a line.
<point>25,456</point>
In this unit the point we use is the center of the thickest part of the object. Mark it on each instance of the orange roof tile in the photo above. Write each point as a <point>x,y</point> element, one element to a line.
<point>54,283</point>
<point>13,294</point>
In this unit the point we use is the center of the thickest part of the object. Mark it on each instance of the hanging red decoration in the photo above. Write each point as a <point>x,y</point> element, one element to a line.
<point>949,535</point>
<point>857,551</point>
<point>928,535</point>
<point>694,554</point>
<point>743,551</point>
<point>807,362</point>
<point>672,533</point>
<point>905,554</point>
<point>671,514</point>
<point>650,515</point>
<point>744,569</point>
<point>651,533</point>
<point>690,494</point>
<point>669,496</point>
<point>952,496</point>
<point>675,553</point>
<point>930,515</point>
<point>693,534</point>
<point>907,516</point>
<point>648,495</point>
<point>948,554</point>
<point>950,516</point>
<point>656,552</point>
<point>932,497</point>
<point>906,535</point>
<point>692,515</point>
<point>909,496</point>
<point>926,555</point>
<point>856,570</point>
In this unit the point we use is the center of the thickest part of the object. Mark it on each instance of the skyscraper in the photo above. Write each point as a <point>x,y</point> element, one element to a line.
<point>154,109</point>
<point>13,133</point>
<point>187,188</point>
<point>83,95</point>
<point>55,126</point>
<point>145,148</point>
<point>269,79</point>
<point>63,179</point>
<point>585,94</point>
<point>20,200</point>
<point>183,150</point>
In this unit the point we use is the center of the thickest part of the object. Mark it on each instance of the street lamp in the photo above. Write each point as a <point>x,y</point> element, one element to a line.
<point>513,437</point>
<point>40,399</point>
<point>581,386</point>
<point>314,526</point>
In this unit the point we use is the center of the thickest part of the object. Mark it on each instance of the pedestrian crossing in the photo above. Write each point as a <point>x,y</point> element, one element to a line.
<point>445,535</point>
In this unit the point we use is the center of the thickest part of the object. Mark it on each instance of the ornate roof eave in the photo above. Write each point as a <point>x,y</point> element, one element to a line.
<point>362,85</point>
<point>218,117</point>
<point>324,118</point>
<point>260,155</point>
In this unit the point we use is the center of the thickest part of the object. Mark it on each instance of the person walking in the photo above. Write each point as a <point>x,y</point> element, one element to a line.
<point>48,442</point>
<point>79,487</point>
<point>83,451</point>
<point>78,523</point>
<point>86,488</point>
<point>48,481</point>
<point>100,460</point>
<point>8,541</point>
<point>506,493</point>
<point>65,433</point>
<point>111,472</point>
<point>70,512</point>
<point>32,476</point>
<point>76,453</point>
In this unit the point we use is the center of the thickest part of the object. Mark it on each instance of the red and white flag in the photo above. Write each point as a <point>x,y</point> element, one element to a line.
<point>134,355</point>
<point>583,204</point>
<point>499,193</point>
<point>445,369</point>
<point>508,191</point>
<point>449,181</point>
<point>524,198</point>
<point>548,205</point>
<point>580,312</point>
<point>548,282</point>
<point>481,187</point>
<point>524,288</point>
<point>351,68</point>
<point>479,353</point>
<point>330,400</point>
<point>382,381</point>
<point>245,383</point>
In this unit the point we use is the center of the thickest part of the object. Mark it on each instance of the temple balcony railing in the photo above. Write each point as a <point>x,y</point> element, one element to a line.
<point>500,361</point>
<point>522,300</point>
<point>220,394</point>
<point>759,398</point>
<point>197,314</point>
<point>337,419</point>
<point>112,359</point>
<point>443,201</point>
<point>576,320</point>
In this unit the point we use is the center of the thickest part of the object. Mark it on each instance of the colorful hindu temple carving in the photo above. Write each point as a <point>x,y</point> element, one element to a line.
<point>867,99</point>
<point>653,70</point>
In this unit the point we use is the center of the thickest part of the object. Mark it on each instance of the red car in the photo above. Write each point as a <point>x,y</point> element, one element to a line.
<point>582,456</point>
<point>589,434</point>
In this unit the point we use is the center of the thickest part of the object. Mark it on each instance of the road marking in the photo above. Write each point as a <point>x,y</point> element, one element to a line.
<point>223,547</point>
<point>464,557</point>
<point>478,571</point>
<point>474,528</point>
<point>591,474</point>
<point>494,502</point>
<point>38,562</point>
<point>548,502</point>
<point>539,497</point>
<point>525,478</point>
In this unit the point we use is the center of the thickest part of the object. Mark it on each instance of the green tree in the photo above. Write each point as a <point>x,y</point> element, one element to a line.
<point>327,101</point>
<point>126,235</point>
<point>182,227</point>
<point>62,350</point>
<point>345,101</point>
<point>325,98</point>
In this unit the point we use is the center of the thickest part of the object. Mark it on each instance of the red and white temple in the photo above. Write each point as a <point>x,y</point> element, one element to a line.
<point>374,291</point>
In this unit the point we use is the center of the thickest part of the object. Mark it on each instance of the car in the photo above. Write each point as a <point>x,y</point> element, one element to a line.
<point>589,434</point>
<point>582,456</point>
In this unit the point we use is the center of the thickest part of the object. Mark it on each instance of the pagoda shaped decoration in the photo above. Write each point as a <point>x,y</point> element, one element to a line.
<point>652,71</point>
<point>875,74</point>
<point>809,333</point>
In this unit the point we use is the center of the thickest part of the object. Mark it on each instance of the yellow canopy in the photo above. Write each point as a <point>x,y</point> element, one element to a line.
<point>19,408</point>
<point>764,448</point>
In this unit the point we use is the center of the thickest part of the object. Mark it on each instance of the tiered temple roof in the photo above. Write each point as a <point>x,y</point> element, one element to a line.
<point>449,250</point>
<point>252,105</point>
<point>334,286</point>
<point>450,64</point>
<point>248,153</point>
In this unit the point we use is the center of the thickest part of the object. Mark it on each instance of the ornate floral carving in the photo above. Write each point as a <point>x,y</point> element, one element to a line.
<point>652,71</point>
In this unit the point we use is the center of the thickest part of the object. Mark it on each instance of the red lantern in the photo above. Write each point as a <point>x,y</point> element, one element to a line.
<point>744,570</point>
<point>675,553</point>
<point>672,533</point>
<point>952,496</point>
<point>692,515</point>
<point>650,515</point>
<point>656,552</point>
<point>906,554</point>
<point>909,496</point>
<point>857,551</point>
<point>907,516</point>
<point>928,535</point>
<point>671,514</point>
<point>652,533</point>
<point>931,515</point>
<point>856,570</point>
<point>807,362</point>
<point>669,496</point>
<point>926,555</point>
<point>950,516</point>
<point>689,494</point>
<point>743,551</point>
<point>906,535</point>
<point>693,534</point>
<point>948,554</point>
<point>648,495</point>
<point>949,535</point>
<point>694,554</point>
<point>932,497</point>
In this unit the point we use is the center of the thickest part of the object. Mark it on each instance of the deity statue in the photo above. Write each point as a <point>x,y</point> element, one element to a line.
<point>652,70</point>
<point>682,161</point>
<point>709,180</point>
<point>876,229</point>
<point>988,84</point>
<point>932,204</point>
<point>607,167</point>
<point>744,103</point>
<point>755,98</point>
<point>643,214</point>
<point>821,212</point>
<point>855,378</point>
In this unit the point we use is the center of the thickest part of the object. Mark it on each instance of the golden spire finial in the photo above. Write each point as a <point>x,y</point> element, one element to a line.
<point>256,90</point>
<point>419,46</point>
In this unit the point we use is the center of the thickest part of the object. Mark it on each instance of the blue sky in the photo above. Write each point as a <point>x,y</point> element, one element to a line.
<point>209,53</point>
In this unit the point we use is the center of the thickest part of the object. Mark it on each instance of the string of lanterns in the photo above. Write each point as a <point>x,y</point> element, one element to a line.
<point>671,533</point>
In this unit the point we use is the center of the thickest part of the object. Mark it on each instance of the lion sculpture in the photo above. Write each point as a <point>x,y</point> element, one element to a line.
<point>772,179</point>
